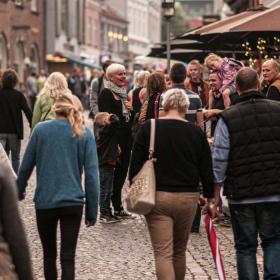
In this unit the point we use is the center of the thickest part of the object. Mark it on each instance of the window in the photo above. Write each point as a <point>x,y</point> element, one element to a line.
<point>19,3</point>
<point>19,60</point>
<point>3,52</point>
<point>34,59</point>
<point>33,6</point>
<point>64,16</point>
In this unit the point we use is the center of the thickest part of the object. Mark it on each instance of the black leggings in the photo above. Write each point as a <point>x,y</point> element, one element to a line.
<point>70,221</point>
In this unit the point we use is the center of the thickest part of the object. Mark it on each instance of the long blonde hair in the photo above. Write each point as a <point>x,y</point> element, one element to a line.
<point>56,85</point>
<point>71,107</point>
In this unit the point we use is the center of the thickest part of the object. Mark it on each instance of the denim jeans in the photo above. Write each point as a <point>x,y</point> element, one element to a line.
<point>106,188</point>
<point>248,222</point>
<point>12,144</point>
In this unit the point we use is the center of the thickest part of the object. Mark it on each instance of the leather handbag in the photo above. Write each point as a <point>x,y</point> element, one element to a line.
<point>141,195</point>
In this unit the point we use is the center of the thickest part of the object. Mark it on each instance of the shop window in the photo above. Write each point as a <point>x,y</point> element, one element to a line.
<point>33,6</point>
<point>3,52</point>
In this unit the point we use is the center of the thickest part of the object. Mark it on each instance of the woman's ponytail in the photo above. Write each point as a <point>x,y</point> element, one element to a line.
<point>71,107</point>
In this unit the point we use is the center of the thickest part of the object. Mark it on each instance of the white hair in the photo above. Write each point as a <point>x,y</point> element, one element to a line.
<point>175,99</point>
<point>140,77</point>
<point>114,68</point>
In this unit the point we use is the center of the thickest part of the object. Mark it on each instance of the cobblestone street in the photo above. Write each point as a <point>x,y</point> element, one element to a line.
<point>123,250</point>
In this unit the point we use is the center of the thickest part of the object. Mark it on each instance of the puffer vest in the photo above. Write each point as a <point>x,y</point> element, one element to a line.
<point>254,158</point>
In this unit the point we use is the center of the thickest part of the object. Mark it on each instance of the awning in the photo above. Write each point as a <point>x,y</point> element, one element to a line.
<point>82,62</point>
<point>60,58</point>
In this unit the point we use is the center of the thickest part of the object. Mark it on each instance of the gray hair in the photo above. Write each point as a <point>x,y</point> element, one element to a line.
<point>140,77</point>
<point>175,99</point>
<point>114,68</point>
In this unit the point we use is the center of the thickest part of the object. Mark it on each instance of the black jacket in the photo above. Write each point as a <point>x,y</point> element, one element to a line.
<point>107,145</point>
<point>254,157</point>
<point>12,102</point>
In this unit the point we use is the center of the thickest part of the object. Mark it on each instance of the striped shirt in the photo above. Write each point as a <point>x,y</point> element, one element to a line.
<point>195,103</point>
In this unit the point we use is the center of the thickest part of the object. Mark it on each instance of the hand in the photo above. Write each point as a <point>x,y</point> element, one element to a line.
<point>210,208</point>
<point>128,105</point>
<point>212,113</point>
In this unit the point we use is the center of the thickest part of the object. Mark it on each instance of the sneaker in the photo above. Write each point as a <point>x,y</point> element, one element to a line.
<point>122,214</point>
<point>226,222</point>
<point>108,219</point>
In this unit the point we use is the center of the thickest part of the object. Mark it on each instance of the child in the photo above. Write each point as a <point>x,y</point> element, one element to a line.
<point>108,154</point>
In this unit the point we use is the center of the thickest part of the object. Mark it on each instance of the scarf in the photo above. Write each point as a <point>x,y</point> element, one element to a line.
<point>120,92</point>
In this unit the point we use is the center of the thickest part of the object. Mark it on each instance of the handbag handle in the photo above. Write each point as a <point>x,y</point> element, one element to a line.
<point>152,138</point>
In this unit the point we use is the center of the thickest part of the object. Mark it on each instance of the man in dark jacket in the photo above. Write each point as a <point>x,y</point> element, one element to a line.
<point>246,159</point>
<point>12,103</point>
<point>271,78</point>
<point>95,88</point>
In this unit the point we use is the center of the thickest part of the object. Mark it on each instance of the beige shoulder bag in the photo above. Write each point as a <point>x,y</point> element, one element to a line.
<point>142,192</point>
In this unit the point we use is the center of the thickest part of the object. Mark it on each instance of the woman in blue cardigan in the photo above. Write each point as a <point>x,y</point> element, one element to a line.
<point>62,149</point>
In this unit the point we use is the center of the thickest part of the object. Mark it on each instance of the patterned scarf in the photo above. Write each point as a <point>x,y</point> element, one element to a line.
<point>120,92</point>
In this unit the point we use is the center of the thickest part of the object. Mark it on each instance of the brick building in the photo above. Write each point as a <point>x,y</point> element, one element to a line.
<point>22,36</point>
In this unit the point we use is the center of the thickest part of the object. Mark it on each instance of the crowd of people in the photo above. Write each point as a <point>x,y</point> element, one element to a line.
<point>217,127</point>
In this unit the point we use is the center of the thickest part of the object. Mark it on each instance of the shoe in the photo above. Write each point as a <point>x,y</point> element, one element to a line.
<point>225,222</point>
<point>122,214</point>
<point>195,230</point>
<point>108,219</point>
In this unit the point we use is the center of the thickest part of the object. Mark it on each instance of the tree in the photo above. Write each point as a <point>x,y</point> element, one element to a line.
<point>179,23</point>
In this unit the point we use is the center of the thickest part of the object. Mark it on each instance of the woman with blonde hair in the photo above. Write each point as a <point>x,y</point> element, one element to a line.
<point>182,159</point>
<point>55,86</point>
<point>62,149</point>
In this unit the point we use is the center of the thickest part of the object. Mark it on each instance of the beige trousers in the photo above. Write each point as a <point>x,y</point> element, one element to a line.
<point>169,226</point>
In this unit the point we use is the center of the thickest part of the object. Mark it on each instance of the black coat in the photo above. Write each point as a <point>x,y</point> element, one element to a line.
<point>12,102</point>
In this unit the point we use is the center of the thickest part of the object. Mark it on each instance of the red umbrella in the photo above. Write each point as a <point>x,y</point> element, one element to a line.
<point>213,241</point>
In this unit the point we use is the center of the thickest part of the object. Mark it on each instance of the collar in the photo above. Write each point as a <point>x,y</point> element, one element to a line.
<point>200,82</point>
<point>178,86</point>
<point>275,79</point>
<point>248,95</point>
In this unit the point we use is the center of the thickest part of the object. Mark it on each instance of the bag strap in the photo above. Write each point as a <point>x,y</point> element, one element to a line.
<point>46,115</point>
<point>156,106</point>
<point>152,138</point>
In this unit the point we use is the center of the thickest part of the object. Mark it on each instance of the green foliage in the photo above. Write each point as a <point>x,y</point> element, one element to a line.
<point>179,23</point>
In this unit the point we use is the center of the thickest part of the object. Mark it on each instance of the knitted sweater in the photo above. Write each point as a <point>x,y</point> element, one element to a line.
<point>60,159</point>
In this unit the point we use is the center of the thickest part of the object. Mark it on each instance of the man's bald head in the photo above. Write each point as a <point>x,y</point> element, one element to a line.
<point>270,70</point>
<point>246,80</point>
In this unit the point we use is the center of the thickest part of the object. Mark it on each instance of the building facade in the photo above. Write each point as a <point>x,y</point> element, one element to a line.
<point>114,35</point>
<point>73,30</point>
<point>144,25</point>
<point>64,33</point>
<point>22,36</point>
<point>90,48</point>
